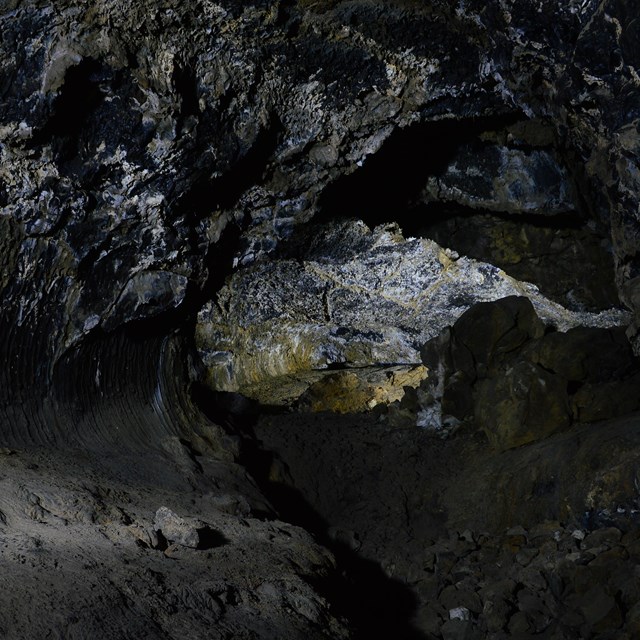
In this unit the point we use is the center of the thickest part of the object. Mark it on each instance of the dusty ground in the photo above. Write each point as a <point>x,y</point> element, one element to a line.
<point>83,554</point>
<point>366,529</point>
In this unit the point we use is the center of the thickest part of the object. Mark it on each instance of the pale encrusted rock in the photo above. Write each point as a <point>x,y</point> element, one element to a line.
<point>342,294</point>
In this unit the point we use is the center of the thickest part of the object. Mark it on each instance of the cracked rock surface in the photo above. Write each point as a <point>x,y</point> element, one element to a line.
<point>163,167</point>
<point>345,295</point>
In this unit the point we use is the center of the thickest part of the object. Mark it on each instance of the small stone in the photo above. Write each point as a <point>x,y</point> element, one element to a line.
<point>610,558</point>
<point>532,604</point>
<point>548,549</point>
<point>600,609</point>
<point>457,630</point>
<point>459,613</point>
<point>533,579</point>
<point>495,614</point>
<point>445,561</point>
<point>525,556</point>
<point>499,589</point>
<point>467,535</point>
<point>429,561</point>
<point>454,597</point>
<point>518,624</point>
<point>514,543</point>
<point>175,529</point>
<point>608,536</point>
<point>174,551</point>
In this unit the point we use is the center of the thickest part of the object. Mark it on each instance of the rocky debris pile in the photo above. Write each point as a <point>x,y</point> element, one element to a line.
<point>341,294</point>
<point>433,512</point>
<point>519,381</point>
<point>548,581</point>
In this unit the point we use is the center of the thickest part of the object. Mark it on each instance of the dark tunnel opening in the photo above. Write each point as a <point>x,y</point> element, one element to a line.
<point>387,185</point>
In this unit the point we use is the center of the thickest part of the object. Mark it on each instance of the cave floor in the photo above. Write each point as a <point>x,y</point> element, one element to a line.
<point>474,543</point>
<point>366,528</point>
<point>96,545</point>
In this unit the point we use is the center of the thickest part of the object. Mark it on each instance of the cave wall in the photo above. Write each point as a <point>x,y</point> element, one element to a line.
<point>147,148</point>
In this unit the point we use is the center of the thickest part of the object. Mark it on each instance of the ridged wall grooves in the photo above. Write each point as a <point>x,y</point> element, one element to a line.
<point>117,391</point>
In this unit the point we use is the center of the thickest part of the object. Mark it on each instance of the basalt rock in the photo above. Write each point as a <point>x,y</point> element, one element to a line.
<point>130,140</point>
<point>153,150</point>
<point>520,382</point>
<point>340,294</point>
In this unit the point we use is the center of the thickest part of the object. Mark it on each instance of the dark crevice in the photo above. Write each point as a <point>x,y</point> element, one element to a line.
<point>207,194</point>
<point>430,215</point>
<point>233,411</point>
<point>389,182</point>
<point>79,96</point>
<point>94,113</point>
<point>186,86</point>
<point>375,604</point>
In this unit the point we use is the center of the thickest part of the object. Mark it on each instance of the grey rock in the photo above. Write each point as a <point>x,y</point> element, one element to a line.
<point>177,529</point>
<point>352,297</point>
<point>458,630</point>
<point>209,133</point>
<point>501,179</point>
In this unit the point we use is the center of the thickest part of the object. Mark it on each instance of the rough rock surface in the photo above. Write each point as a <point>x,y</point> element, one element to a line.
<point>131,138</point>
<point>89,549</point>
<point>499,366</point>
<point>344,295</point>
<point>148,149</point>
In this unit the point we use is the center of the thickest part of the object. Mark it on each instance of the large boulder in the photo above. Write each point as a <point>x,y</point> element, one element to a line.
<point>520,382</point>
<point>340,294</point>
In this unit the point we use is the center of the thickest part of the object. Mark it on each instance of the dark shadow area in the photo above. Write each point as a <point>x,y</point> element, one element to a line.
<point>186,85</point>
<point>233,411</point>
<point>94,113</point>
<point>210,539</point>
<point>435,213</point>
<point>208,194</point>
<point>388,183</point>
<point>375,605</point>
<point>78,98</point>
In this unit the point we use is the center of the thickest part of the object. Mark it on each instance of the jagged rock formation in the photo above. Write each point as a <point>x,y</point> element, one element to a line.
<point>519,382</point>
<point>158,158</point>
<point>344,295</point>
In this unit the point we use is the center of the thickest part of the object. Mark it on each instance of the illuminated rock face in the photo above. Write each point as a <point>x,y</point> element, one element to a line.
<point>342,295</point>
<point>163,165</point>
<point>143,150</point>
